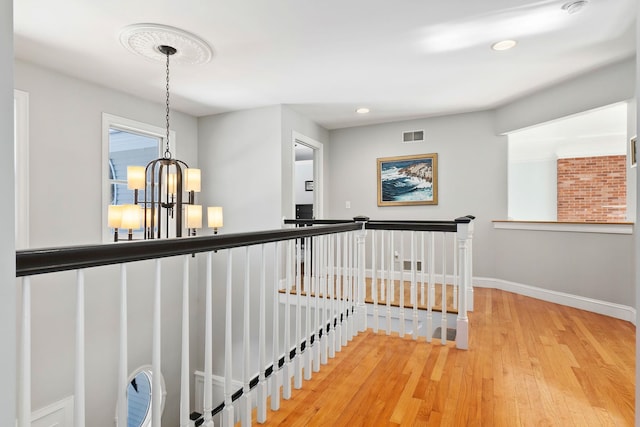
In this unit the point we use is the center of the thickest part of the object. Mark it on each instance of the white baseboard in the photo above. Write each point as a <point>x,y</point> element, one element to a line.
<point>618,311</point>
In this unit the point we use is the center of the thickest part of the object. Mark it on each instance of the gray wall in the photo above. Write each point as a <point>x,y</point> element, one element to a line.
<point>7,255</point>
<point>472,163</point>
<point>472,174</point>
<point>65,177</point>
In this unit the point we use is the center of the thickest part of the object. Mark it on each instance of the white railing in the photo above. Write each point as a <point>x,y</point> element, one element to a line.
<point>316,276</point>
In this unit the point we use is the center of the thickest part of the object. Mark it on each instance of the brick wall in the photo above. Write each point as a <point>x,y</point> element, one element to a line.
<point>592,189</point>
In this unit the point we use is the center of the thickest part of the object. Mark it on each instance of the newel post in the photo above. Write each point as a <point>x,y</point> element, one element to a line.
<point>361,309</point>
<point>464,264</point>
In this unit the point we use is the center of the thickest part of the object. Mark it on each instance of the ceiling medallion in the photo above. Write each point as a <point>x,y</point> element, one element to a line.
<point>145,40</point>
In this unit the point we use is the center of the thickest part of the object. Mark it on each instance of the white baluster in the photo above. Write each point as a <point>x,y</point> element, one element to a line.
<point>185,404</point>
<point>324,340</point>
<point>444,289</point>
<point>286,376</point>
<point>402,317</point>
<point>228,411</point>
<point>332,296</point>
<point>308,353</point>
<point>361,308</point>
<point>245,401</point>
<point>123,375</point>
<point>79,398</point>
<point>276,373</point>
<point>374,281</point>
<point>389,283</point>
<point>298,321</point>
<point>430,286</point>
<point>208,343</point>
<point>350,284</point>
<point>345,287</point>
<point>455,271</point>
<point>156,381</point>
<point>262,350</point>
<point>24,381</point>
<point>414,287</point>
<point>392,266</point>
<point>469,270</point>
<point>339,310</point>
<point>422,268</point>
<point>316,301</point>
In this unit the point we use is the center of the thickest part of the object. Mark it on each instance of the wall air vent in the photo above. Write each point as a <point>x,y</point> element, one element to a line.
<point>412,136</point>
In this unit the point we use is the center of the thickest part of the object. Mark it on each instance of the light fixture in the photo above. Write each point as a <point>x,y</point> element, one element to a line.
<point>362,110</point>
<point>574,6</point>
<point>169,184</point>
<point>214,218</point>
<point>504,45</point>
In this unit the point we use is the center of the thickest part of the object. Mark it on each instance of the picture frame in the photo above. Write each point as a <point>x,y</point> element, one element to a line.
<point>308,186</point>
<point>408,180</point>
<point>633,152</point>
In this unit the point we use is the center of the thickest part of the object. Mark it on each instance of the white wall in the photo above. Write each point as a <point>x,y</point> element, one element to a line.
<point>65,177</point>
<point>7,254</point>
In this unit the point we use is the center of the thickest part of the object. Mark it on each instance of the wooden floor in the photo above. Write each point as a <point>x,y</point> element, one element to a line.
<point>530,363</point>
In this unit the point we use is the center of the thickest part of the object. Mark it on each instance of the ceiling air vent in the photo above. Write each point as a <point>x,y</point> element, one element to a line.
<point>413,136</point>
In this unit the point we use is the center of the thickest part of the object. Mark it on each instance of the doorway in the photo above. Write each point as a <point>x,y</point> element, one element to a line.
<point>307,177</point>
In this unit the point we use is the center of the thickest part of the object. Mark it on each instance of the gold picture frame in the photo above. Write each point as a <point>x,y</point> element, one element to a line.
<point>408,180</point>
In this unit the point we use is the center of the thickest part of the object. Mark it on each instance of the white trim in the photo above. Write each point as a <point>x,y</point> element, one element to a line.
<point>21,146</point>
<point>617,228</point>
<point>617,311</point>
<point>318,168</point>
<point>58,414</point>
<point>108,121</point>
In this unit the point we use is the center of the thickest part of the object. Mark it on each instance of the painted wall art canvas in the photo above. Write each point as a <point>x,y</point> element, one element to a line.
<point>408,180</point>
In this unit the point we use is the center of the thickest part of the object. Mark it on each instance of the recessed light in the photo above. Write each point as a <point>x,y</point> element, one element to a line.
<point>362,110</point>
<point>504,45</point>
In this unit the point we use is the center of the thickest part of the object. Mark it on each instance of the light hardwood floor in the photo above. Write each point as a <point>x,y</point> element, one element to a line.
<point>530,363</point>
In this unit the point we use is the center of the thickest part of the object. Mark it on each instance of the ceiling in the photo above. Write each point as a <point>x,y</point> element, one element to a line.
<point>401,59</point>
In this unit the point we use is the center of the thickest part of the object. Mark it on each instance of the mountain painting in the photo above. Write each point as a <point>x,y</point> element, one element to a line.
<point>408,180</point>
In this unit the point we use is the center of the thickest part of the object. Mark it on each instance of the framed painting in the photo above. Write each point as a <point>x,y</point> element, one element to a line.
<point>633,152</point>
<point>408,180</point>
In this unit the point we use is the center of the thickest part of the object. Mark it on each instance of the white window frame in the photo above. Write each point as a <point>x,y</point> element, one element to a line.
<point>111,121</point>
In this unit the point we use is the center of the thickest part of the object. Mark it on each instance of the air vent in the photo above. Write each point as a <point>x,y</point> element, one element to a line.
<point>413,136</point>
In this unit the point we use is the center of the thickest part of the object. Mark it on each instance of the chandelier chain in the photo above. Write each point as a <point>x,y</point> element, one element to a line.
<point>167,153</point>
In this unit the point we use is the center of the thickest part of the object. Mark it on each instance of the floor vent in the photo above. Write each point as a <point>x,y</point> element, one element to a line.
<point>412,136</point>
<point>406,265</point>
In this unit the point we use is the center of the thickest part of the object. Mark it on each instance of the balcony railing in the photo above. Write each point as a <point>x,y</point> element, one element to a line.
<point>314,288</point>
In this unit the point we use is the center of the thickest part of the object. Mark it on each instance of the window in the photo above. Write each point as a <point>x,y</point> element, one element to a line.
<point>571,170</point>
<point>126,143</point>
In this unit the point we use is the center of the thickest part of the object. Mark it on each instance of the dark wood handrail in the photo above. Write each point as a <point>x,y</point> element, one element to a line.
<point>30,262</point>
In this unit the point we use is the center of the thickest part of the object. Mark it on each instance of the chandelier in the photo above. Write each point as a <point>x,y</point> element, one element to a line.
<point>169,203</point>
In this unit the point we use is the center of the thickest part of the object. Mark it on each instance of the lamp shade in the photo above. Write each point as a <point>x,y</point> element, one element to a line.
<point>193,216</point>
<point>114,216</point>
<point>131,216</point>
<point>136,177</point>
<point>192,179</point>
<point>214,216</point>
<point>172,183</point>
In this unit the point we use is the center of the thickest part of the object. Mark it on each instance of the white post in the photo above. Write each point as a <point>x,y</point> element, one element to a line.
<point>123,370</point>
<point>262,384</point>
<point>228,412</point>
<point>24,381</point>
<point>208,344</point>
<point>276,372</point>
<point>79,398</point>
<point>462,327</point>
<point>185,403</point>
<point>245,401</point>
<point>156,382</point>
